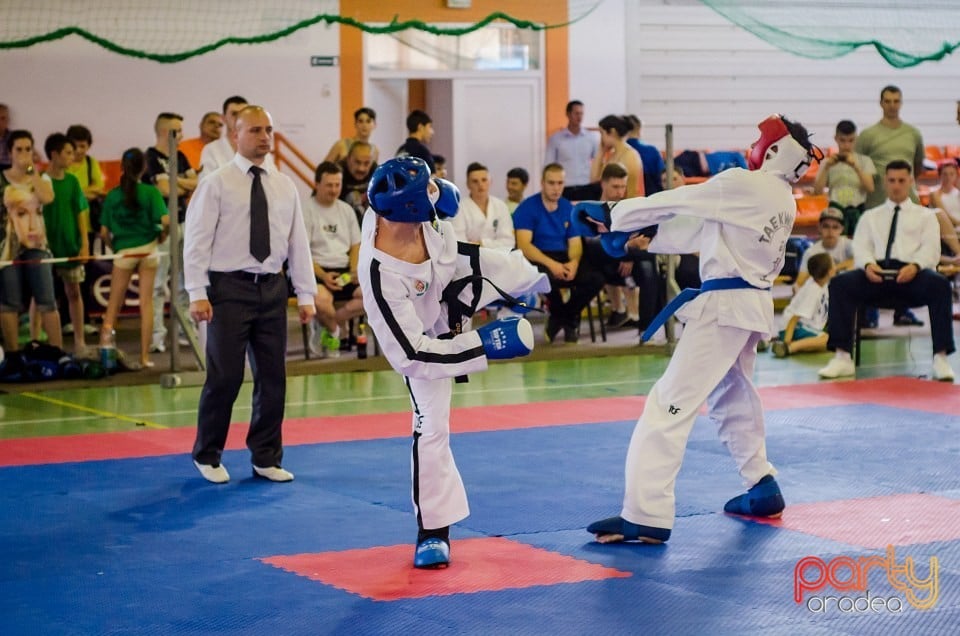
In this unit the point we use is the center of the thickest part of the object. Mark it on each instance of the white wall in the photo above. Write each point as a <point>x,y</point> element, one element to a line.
<point>50,86</point>
<point>598,67</point>
<point>714,81</point>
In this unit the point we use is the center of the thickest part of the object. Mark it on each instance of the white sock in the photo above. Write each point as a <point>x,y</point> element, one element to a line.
<point>843,355</point>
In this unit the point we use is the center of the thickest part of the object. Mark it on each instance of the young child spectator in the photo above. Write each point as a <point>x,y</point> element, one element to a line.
<point>832,241</point>
<point>364,123</point>
<point>420,129</point>
<point>67,220</point>
<point>517,180</point>
<point>848,175</point>
<point>87,171</point>
<point>134,217</point>
<point>416,286</point>
<point>334,236</point>
<point>806,315</point>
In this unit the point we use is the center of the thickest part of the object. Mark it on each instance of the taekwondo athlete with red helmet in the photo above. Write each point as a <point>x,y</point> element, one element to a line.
<point>739,221</point>
<point>420,287</point>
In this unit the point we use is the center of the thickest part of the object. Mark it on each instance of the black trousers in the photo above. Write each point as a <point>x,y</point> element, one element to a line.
<point>850,290</point>
<point>246,314</point>
<point>644,271</point>
<point>583,288</point>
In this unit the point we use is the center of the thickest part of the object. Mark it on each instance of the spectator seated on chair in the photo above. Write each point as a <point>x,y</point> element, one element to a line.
<point>896,251</point>
<point>334,236</point>
<point>633,283</point>
<point>806,315</point>
<point>548,240</point>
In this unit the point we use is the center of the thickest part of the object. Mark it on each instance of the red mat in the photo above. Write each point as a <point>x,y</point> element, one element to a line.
<point>476,565</point>
<point>908,393</point>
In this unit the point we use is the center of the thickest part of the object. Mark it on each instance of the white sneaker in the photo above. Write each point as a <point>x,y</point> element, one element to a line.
<point>313,339</point>
<point>157,346</point>
<point>215,474</point>
<point>273,473</point>
<point>838,368</point>
<point>941,369</point>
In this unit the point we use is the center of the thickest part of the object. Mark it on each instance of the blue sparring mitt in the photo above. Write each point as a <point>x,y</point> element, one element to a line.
<point>449,202</point>
<point>506,338</point>
<point>594,210</point>
<point>615,243</point>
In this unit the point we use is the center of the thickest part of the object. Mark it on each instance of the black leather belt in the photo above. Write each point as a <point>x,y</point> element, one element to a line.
<point>248,276</point>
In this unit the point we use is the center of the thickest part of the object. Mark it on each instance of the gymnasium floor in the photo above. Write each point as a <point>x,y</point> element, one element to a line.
<point>108,528</point>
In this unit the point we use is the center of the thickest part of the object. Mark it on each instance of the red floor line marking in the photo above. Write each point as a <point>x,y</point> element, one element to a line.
<point>905,393</point>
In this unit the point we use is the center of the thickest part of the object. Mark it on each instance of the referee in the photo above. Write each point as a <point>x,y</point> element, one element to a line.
<point>241,293</point>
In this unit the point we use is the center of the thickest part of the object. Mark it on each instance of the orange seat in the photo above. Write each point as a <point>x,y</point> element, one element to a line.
<point>951,152</point>
<point>934,153</point>
<point>809,207</point>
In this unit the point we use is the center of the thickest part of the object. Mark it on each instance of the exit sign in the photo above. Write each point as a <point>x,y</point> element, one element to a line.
<point>324,60</point>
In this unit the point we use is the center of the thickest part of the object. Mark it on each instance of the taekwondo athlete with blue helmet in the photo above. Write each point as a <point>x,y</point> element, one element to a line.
<point>420,287</point>
<point>739,221</point>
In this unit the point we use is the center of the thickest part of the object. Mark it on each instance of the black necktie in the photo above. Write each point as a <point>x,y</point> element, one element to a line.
<point>259,221</point>
<point>893,232</point>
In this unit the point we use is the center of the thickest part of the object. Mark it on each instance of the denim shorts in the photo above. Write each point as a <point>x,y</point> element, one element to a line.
<point>20,283</point>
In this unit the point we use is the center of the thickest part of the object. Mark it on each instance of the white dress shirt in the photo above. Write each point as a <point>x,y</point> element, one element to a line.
<point>917,239</point>
<point>217,234</point>
<point>493,229</point>
<point>219,153</point>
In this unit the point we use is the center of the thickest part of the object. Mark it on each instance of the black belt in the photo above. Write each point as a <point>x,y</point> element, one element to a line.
<point>248,276</point>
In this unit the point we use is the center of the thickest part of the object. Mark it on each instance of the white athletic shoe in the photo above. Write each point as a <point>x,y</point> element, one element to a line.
<point>838,368</point>
<point>215,474</point>
<point>273,473</point>
<point>942,371</point>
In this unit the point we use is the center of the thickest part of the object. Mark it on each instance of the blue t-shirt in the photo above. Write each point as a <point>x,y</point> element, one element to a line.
<point>652,165</point>
<point>550,229</point>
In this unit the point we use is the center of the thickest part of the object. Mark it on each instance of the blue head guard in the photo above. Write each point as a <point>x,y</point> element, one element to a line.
<point>398,190</point>
<point>449,202</point>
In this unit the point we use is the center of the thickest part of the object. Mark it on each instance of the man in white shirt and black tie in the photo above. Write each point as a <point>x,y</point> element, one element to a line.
<point>243,222</point>
<point>896,250</point>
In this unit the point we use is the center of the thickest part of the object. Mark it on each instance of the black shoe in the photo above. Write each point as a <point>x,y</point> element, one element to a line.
<point>551,329</point>
<point>617,319</point>
<point>571,333</point>
<point>907,319</point>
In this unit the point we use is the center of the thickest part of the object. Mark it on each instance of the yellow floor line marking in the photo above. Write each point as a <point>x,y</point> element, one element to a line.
<point>80,407</point>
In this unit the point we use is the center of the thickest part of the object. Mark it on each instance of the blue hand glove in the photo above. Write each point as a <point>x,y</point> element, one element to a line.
<point>449,202</point>
<point>615,243</point>
<point>589,210</point>
<point>507,338</point>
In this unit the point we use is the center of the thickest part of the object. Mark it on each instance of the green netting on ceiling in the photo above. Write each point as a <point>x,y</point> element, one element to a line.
<point>175,30</point>
<point>904,32</point>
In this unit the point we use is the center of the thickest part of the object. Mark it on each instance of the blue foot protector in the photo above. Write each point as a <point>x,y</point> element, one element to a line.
<point>432,554</point>
<point>763,500</point>
<point>630,531</point>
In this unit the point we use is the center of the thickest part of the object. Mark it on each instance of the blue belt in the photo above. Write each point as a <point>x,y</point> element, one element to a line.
<point>689,294</point>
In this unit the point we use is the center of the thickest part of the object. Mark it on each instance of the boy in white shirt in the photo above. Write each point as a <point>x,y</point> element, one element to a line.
<point>806,315</point>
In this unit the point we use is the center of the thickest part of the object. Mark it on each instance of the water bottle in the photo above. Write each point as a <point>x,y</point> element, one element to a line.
<point>361,341</point>
<point>108,353</point>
